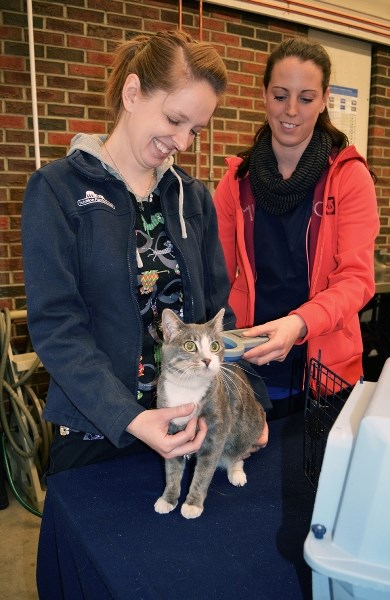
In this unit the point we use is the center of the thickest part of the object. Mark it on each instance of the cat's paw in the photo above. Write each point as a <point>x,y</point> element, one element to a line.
<point>163,507</point>
<point>190,511</point>
<point>236,474</point>
<point>237,478</point>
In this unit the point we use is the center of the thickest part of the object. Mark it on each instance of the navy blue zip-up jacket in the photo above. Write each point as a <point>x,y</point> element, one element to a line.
<point>80,268</point>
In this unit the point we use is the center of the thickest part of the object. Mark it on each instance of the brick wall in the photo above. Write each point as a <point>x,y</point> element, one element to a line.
<point>378,153</point>
<point>73,45</point>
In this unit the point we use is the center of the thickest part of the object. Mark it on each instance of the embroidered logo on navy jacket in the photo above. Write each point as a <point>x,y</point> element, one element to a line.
<point>91,198</point>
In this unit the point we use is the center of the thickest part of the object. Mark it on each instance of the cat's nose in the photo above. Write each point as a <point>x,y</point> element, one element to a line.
<point>206,361</point>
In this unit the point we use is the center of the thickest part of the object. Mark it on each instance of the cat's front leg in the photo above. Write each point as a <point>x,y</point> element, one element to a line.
<point>174,468</point>
<point>204,470</point>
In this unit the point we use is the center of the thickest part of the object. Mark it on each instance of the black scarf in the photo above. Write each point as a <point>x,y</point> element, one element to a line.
<point>277,195</point>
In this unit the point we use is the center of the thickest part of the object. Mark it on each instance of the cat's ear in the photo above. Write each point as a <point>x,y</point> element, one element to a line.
<point>218,320</point>
<point>170,324</point>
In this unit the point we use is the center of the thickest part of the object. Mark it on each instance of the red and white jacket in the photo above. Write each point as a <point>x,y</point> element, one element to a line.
<point>341,280</point>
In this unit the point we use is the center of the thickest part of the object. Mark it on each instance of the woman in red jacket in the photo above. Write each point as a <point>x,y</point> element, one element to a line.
<point>298,219</point>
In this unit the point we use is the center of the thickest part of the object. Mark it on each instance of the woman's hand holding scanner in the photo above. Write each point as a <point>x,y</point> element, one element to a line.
<point>282,335</point>
<point>151,427</point>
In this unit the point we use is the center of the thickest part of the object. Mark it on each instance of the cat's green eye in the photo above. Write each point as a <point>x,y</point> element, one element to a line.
<point>215,346</point>
<point>190,346</point>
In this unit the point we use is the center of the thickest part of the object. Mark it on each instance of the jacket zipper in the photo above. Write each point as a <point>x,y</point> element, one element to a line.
<point>133,247</point>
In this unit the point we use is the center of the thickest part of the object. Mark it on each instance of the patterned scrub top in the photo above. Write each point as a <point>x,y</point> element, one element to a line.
<point>159,287</point>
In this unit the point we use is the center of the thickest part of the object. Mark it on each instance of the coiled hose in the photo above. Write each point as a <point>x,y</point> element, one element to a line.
<point>23,419</point>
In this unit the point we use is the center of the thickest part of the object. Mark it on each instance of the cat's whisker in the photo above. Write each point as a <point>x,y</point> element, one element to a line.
<point>241,383</point>
<point>233,375</point>
<point>225,365</point>
<point>232,382</point>
<point>239,366</point>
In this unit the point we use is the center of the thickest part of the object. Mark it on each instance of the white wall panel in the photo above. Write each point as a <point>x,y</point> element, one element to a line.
<point>363,19</point>
<point>351,69</point>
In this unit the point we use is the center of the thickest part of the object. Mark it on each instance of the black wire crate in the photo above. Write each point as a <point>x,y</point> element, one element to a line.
<point>326,394</point>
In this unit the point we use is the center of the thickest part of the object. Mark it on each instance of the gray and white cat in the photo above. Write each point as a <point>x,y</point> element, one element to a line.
<point>193,370</point>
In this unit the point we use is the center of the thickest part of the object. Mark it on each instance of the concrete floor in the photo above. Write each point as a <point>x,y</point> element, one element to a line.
<point>18,546</point>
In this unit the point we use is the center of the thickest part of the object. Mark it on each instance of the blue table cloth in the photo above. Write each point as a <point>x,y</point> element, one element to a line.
<point>101,538</point>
